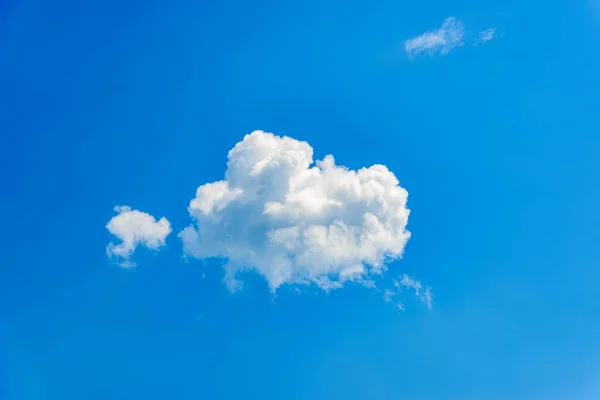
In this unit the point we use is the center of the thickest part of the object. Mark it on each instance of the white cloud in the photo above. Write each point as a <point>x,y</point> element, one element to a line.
<point>442,40</point>
<point>370,284</point>
<point>388,294</point>
<point>424,295</point>
<point>486,35</point>
<point>134,227</point>
<point>292,221</point>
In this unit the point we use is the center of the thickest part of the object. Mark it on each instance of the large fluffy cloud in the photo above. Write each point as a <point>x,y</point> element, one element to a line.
<point>295,221</point>
<point>133,228</point>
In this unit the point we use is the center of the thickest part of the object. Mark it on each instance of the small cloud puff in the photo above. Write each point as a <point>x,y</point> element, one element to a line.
<point>135,227</point>
<point>485,35</point>
<point>295,221</point>
<point>388,294</point>
<point>442,40</point>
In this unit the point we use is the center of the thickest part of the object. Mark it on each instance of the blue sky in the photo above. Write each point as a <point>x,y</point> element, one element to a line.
<point>138,104</point>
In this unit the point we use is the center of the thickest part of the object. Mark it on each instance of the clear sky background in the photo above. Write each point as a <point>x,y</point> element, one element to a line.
<point>137,103</point>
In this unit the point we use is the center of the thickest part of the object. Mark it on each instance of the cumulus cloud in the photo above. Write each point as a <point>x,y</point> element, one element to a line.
<point>133,228</point>
<point>424,294</point>
<point>295,221</point>
<point>485,36</point>
<point>447,37</point>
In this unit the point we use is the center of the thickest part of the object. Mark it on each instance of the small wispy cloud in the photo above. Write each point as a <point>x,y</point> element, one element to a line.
<point>423,293</point>
<point>485,35</point>
<point>388,294</point>
<point>369,283</point>
<point>447,37</point>
<point>450,35</point>
<point>388,297</point>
